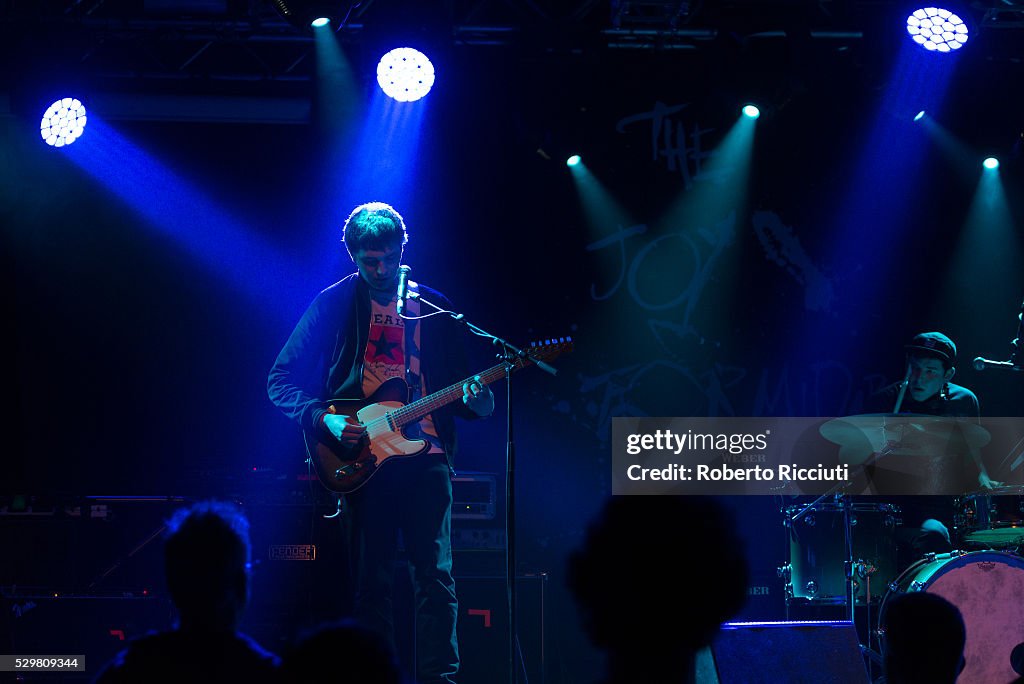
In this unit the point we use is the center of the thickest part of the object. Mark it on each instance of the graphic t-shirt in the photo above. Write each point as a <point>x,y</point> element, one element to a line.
<point>386,358</point>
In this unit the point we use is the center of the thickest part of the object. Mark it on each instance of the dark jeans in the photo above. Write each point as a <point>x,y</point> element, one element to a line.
<point>413,495</point>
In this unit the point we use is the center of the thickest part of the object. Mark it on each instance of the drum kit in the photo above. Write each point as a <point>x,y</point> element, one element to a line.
<point>843,553</point>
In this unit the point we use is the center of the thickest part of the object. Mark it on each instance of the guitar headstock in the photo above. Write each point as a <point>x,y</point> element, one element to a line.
<point>548,350</point>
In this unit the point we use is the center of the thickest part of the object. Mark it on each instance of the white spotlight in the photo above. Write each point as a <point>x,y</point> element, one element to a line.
<point>63,122</point>
<point>405,74</point>
<point>937,30</point>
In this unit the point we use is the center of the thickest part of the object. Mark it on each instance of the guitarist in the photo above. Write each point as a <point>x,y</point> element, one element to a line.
<point>347,343</point>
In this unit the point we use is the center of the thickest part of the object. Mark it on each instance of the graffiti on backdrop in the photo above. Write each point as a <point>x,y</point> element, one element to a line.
<point>700,253</point>
<point>825,388</point>
<point>782,247</point>
<point>681,149</point>
<point>702,385</point>
<point>711,388</point>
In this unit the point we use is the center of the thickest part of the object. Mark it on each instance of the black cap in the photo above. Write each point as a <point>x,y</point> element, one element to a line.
<point>935,344</point>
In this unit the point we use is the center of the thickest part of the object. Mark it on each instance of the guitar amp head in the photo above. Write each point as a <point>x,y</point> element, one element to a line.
<point>473,496</point>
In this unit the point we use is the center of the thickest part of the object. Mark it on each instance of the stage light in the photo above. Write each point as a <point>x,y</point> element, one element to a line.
<point>937,30</point>
<point>751,111</point>
<point>63,122</point>
<point>991,163</point>
<point>306,14</point>
<point>405,74</point>
<point>919,115</point>
<point>573,160</point>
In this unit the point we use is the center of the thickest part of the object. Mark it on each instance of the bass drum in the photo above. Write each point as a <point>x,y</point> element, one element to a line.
<point>988,588</point>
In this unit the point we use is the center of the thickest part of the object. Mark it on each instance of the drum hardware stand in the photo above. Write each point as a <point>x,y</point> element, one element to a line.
<point>851,566</point>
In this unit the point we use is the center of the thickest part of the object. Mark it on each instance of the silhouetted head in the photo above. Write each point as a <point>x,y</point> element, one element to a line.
<point>206,558</point>
<point>342,651</point>
<point>658,572</point>
<point>924,636</point>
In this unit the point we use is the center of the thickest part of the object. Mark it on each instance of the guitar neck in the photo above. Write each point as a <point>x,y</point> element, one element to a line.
<point>410,413</point>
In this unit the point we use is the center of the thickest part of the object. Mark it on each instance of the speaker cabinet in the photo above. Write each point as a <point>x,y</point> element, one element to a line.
<point>299,573</point>
<point>793,652</point>
<point>94,626</point>
<point>483,628</point>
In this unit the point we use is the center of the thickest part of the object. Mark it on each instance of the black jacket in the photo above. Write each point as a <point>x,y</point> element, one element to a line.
<point>323,358</point>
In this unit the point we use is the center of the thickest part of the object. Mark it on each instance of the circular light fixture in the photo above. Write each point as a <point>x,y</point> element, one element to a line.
<point>919,115</point>
<point>63,122</point>
<point>405,74</point>
<point>573,160</point>
<point>320,21</point>
<point>991,163</point>
<point>937,29</point>
<point>751,111</point>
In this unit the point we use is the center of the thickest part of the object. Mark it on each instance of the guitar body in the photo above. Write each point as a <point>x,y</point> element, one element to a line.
<point>387,411</point>
<point>344,470</point>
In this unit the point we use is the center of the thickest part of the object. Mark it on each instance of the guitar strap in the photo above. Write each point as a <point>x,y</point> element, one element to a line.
<point>413,376</point>
<point>412,354</point>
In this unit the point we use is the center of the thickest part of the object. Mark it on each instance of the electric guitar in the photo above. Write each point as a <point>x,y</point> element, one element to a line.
<point>386,413</point>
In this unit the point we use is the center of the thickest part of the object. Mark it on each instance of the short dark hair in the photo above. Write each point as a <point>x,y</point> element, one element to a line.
<point>206,555</point>
<point>622,582</point>
<point>368,656</point>
<point>374,225</point>
<point>924,637</point>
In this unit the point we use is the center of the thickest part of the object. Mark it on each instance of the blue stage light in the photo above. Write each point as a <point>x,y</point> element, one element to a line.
<point>991,163</point>
<point>751,111</point>
<point>405,74</point>
<point>63,122</point>
<point>573,160</point>
<point>936,29</point>
<point>320,21</point>
<point>919,115</point>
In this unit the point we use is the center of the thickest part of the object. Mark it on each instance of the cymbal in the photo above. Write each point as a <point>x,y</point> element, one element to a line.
<point>948,428</point>
<point>859,436</point>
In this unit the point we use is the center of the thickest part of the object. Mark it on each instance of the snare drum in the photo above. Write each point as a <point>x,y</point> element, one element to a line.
<point>817,551</point>
<point>992,518</point>
<point>987,587</point>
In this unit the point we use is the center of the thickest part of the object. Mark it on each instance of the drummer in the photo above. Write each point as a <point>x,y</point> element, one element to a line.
<point>931,359</point>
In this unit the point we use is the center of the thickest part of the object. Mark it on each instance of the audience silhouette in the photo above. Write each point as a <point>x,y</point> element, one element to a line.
<point>1017,662</point>
<point>344,651</point>
<point>206,561</point>
<point>655,579</point>
<point>923,639</point>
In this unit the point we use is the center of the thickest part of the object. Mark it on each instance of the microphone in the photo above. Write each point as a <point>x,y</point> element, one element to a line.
<point>981,364</point>
<point>403,287</point>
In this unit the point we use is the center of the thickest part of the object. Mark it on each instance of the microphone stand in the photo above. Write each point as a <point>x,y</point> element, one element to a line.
<point>1015,355</point>
<point>509,354</point>
<point>1015,362</point>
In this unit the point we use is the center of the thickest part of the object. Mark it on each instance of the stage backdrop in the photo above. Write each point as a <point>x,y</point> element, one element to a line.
<point>704,266</point>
